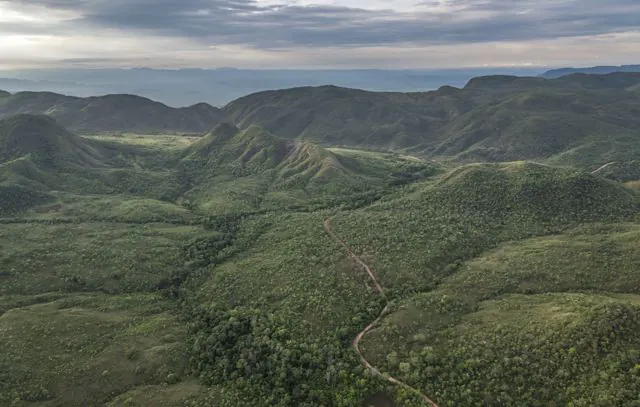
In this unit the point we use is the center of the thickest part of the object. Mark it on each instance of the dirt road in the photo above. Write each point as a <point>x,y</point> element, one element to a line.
<point>358,338</point>
<point>603,167</point>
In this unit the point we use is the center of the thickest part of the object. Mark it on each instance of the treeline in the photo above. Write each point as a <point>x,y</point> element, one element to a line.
<point>253,350</point>
<point>593,362</point>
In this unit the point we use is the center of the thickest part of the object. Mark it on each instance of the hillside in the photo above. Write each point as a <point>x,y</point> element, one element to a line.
<point>221,171</point>
<point>38,155</point>
<point>269,262</point>
<point>492,118</point>
<point>417,240</point>
<point>46,142</point>
<point>199,273</point>
<point>539,124</point>
<point>255,150</point>
<point>462,311</point>
<point>229,169</point>
<point>556,73</point>
<point>112,113</point>
<point>349,117</point>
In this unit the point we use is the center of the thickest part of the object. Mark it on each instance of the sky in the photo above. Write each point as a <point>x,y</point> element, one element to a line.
<point>344,34</point>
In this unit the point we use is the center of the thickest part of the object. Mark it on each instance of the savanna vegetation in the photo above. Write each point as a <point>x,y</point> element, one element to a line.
<point>167,270</point>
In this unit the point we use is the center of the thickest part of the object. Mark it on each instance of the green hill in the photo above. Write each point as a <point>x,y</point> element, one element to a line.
<point>348,117</point>
<point>452,316</point>
<point>541,124</point>
<point>228,269</point>
<point>46,142</point>
<point>554,73</point>
<point>229,169</point>
<point>473,208</point>
<point>621,171</point>
<point>417,240</point>
<point>225,170</point>
<point>493,118</point>
<point>112,113</point>
<point>38,155</point>
<point>255,150</point>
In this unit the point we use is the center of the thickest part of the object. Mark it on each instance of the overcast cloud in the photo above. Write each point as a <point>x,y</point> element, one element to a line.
<point>347,33</point>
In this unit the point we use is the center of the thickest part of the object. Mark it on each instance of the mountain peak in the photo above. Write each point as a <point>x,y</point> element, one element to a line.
<point>42,138</point>
<point>494,81</point>
<point>226,128</point>
<point>114,112</point>
<point>556,73</point>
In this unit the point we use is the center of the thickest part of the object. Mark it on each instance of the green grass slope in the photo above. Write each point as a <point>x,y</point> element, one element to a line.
<point>495,118</point>
<point>86,349</point>
<point>474,208</point>
<point>254,151</point>
<point>226,170</point>
<point>37,154</point>
<point>229,169</point>
<point>349,117</point>
<point>84,312</point>
<point>454,331</point>
<point>112,113</point>
<point>548,320</point>
<point>46,142</point>
<point>41,162</point>
<point>495,272</point>
<point>543,123</point>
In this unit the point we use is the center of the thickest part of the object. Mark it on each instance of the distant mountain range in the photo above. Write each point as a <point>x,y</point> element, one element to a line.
<point>481,241</point>
<point>582,120</point>
<point>121,113</point>
<point>183,87</point>
<point>556,73</point>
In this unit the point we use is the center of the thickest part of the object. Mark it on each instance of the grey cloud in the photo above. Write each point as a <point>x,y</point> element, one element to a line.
<point>247,22</point>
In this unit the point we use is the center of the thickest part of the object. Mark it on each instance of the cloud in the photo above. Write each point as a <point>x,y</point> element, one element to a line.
<point>86,30</point>
<point>291,24</point>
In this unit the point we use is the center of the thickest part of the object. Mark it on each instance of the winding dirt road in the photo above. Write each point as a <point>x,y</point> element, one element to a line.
<point>603,167</point>
<point>358,338</point>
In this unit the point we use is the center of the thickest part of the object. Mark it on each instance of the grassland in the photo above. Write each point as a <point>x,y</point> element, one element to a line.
<point>86,348</point>
<point>531,300</point>
<point>153,141</point>
<point>112,113</point>
<point>197,273</point>
<point>108,277</point>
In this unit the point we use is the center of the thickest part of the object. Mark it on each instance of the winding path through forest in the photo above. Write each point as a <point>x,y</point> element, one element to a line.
<point>358,338</point>
<point>603,167</point>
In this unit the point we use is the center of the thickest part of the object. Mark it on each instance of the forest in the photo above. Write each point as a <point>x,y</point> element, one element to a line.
<point>169,269</point>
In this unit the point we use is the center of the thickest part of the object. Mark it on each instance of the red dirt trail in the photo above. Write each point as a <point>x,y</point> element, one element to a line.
<point>358,338</point>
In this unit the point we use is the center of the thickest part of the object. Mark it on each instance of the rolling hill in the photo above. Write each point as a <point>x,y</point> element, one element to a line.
<point>556,73</point>
<point>38,155</point>
<point>112,113</point>
<point>254,151</point>
<point>47,143</point>
<point>223,170</point>
<point>349,117</point>
<point>229,168</point>
<point>492,118</point>
<point>268,262</point>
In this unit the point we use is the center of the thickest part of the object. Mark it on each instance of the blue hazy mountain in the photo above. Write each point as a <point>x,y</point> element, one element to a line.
<point>184,87</point>
<point>600,70</point>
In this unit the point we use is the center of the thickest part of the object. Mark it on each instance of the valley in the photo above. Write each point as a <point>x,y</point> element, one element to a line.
<point>324,247</point>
